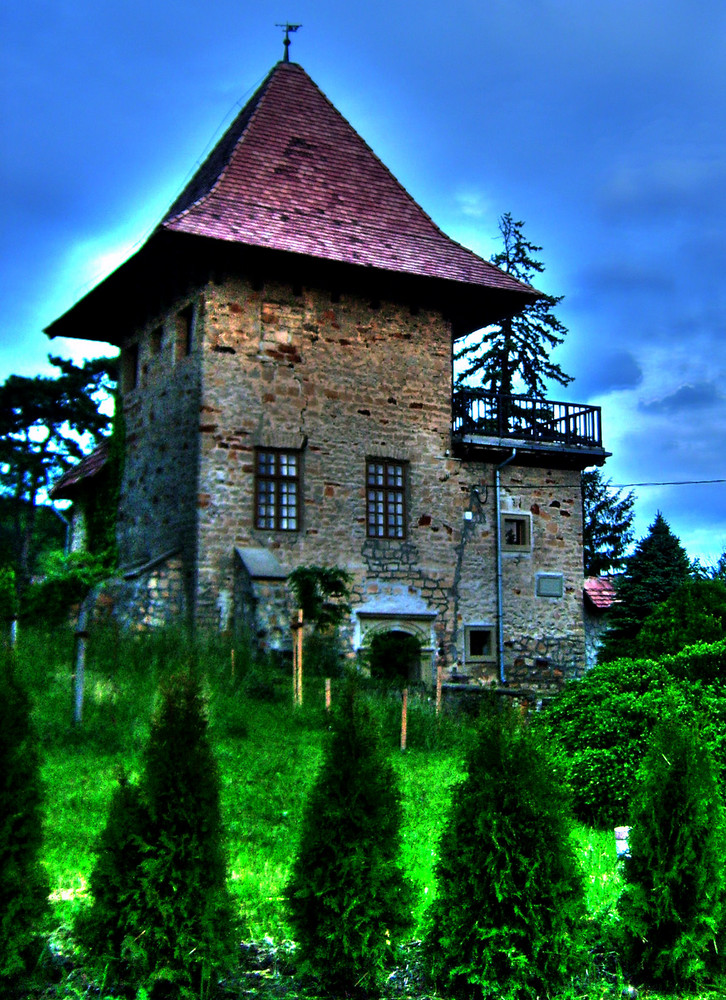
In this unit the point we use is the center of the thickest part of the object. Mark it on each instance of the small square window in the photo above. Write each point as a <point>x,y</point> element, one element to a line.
<point>277,490</point>
<point>385,498</point>
<point>515,533</point>
<point>479,640</point>
<point>549,585</point>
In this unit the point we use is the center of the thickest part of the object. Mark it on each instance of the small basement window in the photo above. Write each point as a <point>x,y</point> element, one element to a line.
<point>516,534</point>
<point>479,643</point>
<point>549,585</point>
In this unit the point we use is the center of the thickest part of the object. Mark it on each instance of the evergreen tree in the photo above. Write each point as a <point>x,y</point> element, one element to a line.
<point>508,915</point>
<point>607,517</point>
<point>672,905</point>
<point>349,901</point>
<point>695,612</point>
<point>23,882</point>
<point>161,908</point>
<point>116,920</point>
<point>43,425</point>
<point>658,566</point>
<point>518,347</point>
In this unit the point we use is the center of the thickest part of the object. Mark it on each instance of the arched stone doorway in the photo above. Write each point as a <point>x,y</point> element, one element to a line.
<point>407,614</point>
<point>394,657</point>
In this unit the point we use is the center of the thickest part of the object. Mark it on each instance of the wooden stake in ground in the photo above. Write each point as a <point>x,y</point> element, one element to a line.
<point>404,718</point>
<point>327,694</point>
<point>297,658</point>
<point>439,675</point>
<point>231,666</point>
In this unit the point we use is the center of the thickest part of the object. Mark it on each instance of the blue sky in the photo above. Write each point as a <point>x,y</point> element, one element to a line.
<point>602,125</point>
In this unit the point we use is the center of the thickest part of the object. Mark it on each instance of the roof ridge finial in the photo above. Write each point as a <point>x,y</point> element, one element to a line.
<point>288,28</point>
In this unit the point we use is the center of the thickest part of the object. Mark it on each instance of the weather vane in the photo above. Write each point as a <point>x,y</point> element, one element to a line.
<point>288,28</point>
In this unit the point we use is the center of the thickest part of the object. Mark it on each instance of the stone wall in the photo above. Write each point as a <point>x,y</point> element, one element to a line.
<point>157,510</point>
<point>342,379</point>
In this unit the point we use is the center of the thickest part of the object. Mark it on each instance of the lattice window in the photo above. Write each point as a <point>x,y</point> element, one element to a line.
<point>277,490</point>
<point>386,498</point>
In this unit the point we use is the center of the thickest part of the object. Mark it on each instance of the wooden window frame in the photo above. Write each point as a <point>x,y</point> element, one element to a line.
<point>386,506</point>
<point>486,657</point>
<point>274,508</point>
<point>523,540</point>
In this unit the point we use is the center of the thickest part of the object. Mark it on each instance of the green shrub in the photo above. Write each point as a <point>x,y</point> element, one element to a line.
<point>23,882</point>
<point>323,655</point>
<point>66,581</point>
<point>349,901</point>
<point>174,917</point>
<point>672,906</point>
<point>601,723</point>
<point>394,657</point>
<point>509,912</point>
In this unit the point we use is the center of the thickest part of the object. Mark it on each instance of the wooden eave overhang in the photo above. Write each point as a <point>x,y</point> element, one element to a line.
<point>171,265</point>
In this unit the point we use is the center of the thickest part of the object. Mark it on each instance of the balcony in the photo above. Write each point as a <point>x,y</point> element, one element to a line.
<point>569,433</point>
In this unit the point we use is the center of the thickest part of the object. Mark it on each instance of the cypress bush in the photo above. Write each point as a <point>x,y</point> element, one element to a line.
<point>349,901</point>
<point>508,916</point>
<point>672,905</point>
<point>117,917</point>
<point>23,882</point>
<point>161,912</point>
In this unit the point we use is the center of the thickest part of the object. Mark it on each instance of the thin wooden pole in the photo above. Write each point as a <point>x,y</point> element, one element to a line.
<point>231,665</point>
<point>300,657</point>
<point>327,694</point>
<point>439,677</point>
<point>404,718</point>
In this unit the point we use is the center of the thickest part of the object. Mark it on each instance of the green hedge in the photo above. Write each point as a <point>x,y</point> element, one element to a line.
<point>601,723</point>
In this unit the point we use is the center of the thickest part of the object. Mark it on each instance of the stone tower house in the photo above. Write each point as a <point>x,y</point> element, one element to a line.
<point>286,336</point>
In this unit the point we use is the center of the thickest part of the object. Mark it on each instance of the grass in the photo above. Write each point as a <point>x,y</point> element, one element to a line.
<point>268,755</point>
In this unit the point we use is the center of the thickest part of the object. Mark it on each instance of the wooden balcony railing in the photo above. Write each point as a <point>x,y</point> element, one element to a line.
<point>478,413</point>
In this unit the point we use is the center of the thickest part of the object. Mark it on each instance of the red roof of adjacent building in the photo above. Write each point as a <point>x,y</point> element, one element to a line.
<point>601,591</point>
<point>292,174</point>
<point>87,468</point>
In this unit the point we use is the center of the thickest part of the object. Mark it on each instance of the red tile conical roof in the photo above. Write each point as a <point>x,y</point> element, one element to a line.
<point>292,174</point>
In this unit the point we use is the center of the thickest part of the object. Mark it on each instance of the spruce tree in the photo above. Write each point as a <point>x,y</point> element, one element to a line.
<point>672,905</point>
<point>23,882</point>
<point>518,347</point>
<point>348,898</point>
<point>653,572</point>
<point>507,918</point>
<point>606,524</point>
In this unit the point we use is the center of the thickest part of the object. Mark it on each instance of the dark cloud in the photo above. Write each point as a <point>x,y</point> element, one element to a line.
<point>605,373</point>
<point>697,396</point>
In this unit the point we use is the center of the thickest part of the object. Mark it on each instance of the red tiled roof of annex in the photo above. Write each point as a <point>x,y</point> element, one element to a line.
<point>87,468</point>
<point>601,591</point>
<point>292,174</point>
